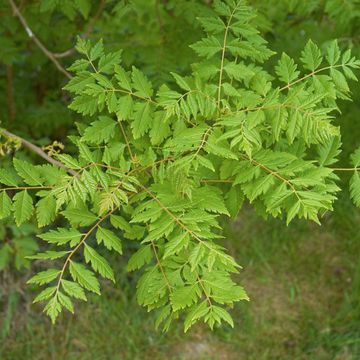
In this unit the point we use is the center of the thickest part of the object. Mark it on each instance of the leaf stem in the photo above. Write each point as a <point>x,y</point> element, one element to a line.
<point>73,251</point>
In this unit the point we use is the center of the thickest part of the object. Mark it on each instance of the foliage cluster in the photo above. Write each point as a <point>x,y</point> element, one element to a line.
<point>159,163</point>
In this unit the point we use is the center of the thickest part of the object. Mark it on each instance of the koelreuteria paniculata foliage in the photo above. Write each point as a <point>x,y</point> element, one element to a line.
<point>159,166</point>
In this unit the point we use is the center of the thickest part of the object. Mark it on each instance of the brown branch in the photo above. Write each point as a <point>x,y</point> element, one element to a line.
<point>40,45</point>
<point>88,32</point>
<point>38,151</point>
<point>64,53</point>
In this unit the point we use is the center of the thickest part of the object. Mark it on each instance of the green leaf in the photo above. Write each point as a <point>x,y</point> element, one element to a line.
<point>185,296</point>
<point>333,53</point>
<point>197,312</point>
<point>82,45</point>
<point>97,50</point>
<point>5,205</point>
<point>212,24</point>
<point>48,255</point>
<point>210,198</point>
<point>22,207</point>
<point>110,240</point>
<point>294,210</point>
<point>355,189</point>
<point>287,69</point>
<point>73,289</point>
<point>311,56</point>
<point>196,255</point>
<point>339,80</point>
<point>181,82</point>
<point>207,47</point>
<point>329,151</point>
<point>46,210</point>
<point>53,309</point>
<point>141,84</point>
<point>176,244</point>
<point>234,201</point>
<point>68,161</point>
<point>142,119</point>
<point>84,104</point>
<point>66,302</point>
<point>84,277</point>
<point>140,258</point>
<point>29,173</point>
<point>108,61</point>
<point>125,107</point>
<point>45,294</point>
<point>99,131</point>
<point>98,263</point>
<point>62,236</point>
<point>44,277</point>
<point>123,78</point>
<point>79,83</point>
<point>223,314</point>
<point>85,152</point>
<point>120,223</point>
<point>81,217</point>
<point>84,6</point>
<point>9,177</point>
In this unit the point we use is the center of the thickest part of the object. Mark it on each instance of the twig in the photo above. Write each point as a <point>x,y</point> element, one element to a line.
<point>223,51</point>
<point>38,151</point>
<point>64,53</point>
<point>288,86</point>
<point>30,33</point>
<point>88,32</point>
<point>82,242</point>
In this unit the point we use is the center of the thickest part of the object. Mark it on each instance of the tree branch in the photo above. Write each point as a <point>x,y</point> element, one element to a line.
<point>30,33</point>
<point>88,32</point>
<point>38,151</point>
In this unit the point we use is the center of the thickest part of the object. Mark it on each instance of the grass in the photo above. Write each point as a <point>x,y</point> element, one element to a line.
<point>304,285</point>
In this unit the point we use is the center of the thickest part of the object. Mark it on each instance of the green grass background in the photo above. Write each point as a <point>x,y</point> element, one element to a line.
<point>304,285</point>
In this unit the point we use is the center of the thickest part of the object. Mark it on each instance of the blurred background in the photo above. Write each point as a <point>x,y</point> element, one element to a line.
<point>303,280</point>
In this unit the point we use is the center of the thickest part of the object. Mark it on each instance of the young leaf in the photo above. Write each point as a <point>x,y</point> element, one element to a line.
<point>73,289</point>
<point>62,236</point>
<point>8,177</point>
<point>98,263</point>
<point>101,130</point>
<point>44,277</point>
<point>81,217</point>
<point>45,294</point>
<point>48,255</point>
<point>5,205</point>
<point>141,84</point>
<point>84,277</point>
<point>311,56</point>
<point>66,302</point>
<point>110,240</point>
<point>53,309</point>
<point>29,173</point>
<point>46,210</point>
<point>140,258</point>
<point>287,69</point>
<point>22,207</point>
